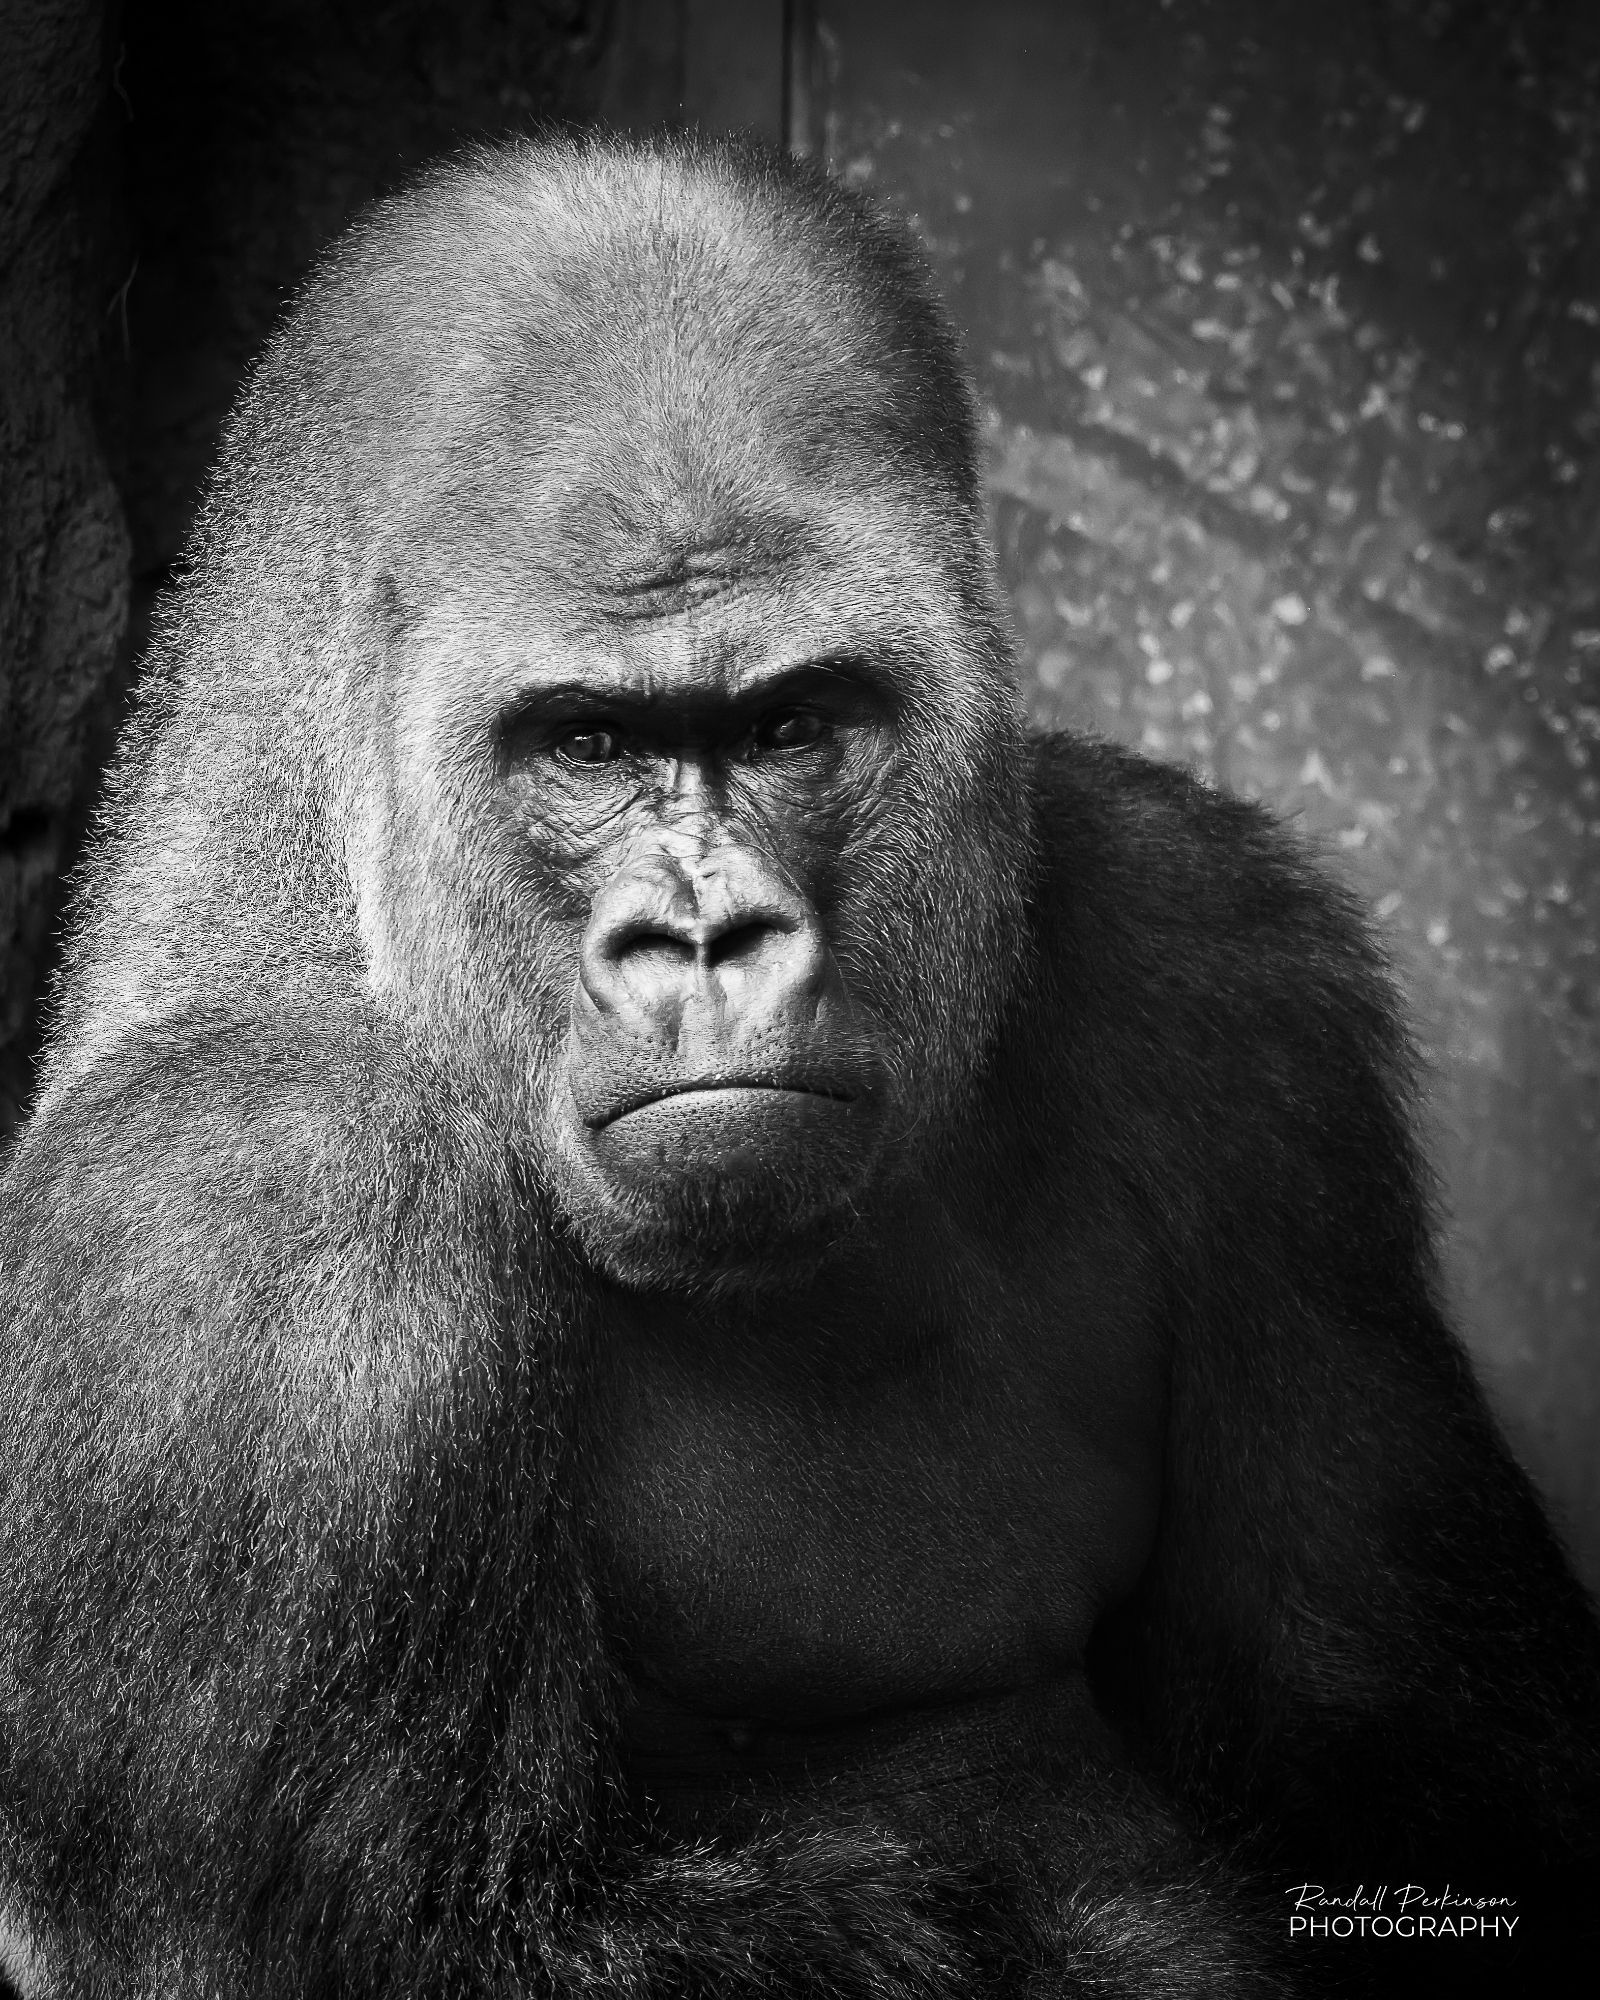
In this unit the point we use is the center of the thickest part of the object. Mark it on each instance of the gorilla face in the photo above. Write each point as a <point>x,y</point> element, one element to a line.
<point>719,848</point>
<point>721,1089</point>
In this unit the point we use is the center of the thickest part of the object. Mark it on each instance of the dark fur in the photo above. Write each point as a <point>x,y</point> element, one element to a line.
<point>315,1652</point>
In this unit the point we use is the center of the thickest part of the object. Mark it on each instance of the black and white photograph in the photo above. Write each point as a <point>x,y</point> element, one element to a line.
<point>799,999</point>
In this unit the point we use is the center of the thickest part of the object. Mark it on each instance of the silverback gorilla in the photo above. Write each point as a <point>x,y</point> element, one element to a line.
<point>682,1318</point>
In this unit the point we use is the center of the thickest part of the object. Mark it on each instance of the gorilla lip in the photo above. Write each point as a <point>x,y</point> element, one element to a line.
<point>713,1087</point>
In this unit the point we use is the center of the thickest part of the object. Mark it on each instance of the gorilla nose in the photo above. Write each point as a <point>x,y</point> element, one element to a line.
<point>724,933</point>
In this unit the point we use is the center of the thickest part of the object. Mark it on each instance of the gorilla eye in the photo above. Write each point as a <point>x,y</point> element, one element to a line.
<point>788,729</point>
<point>589,746</point>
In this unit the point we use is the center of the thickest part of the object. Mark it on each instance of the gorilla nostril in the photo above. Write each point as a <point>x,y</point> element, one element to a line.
<point>648,941</point>
<point>633,968</point>
<point>741,943</point>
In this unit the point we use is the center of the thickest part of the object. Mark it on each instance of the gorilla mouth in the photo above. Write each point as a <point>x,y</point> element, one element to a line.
<point>715,1087</point>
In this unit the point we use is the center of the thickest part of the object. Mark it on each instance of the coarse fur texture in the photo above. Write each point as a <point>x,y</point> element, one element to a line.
<point>680,1317</point>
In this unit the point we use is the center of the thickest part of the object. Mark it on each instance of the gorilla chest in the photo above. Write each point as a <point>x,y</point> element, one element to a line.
<point>824,1543</point>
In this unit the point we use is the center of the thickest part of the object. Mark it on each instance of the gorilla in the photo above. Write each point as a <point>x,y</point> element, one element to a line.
<point>682,1317</point>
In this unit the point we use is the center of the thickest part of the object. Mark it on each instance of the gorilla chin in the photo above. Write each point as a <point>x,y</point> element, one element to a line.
<point>722,1186</point>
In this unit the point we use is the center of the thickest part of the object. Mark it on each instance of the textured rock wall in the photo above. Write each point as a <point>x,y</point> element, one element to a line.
<point>63,543</point>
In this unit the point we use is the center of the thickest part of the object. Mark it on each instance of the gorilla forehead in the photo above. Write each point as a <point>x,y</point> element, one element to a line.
<point>574,559</point>
<point>657,347</point>
<point>527,613</point>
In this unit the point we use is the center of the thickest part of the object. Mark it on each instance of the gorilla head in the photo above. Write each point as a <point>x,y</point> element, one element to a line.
<point>663,747</point>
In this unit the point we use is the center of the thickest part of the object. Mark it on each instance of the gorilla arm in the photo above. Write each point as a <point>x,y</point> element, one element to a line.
<point>299,1669</point>
<point>265,1340</point>
<point>1358,1637</point>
